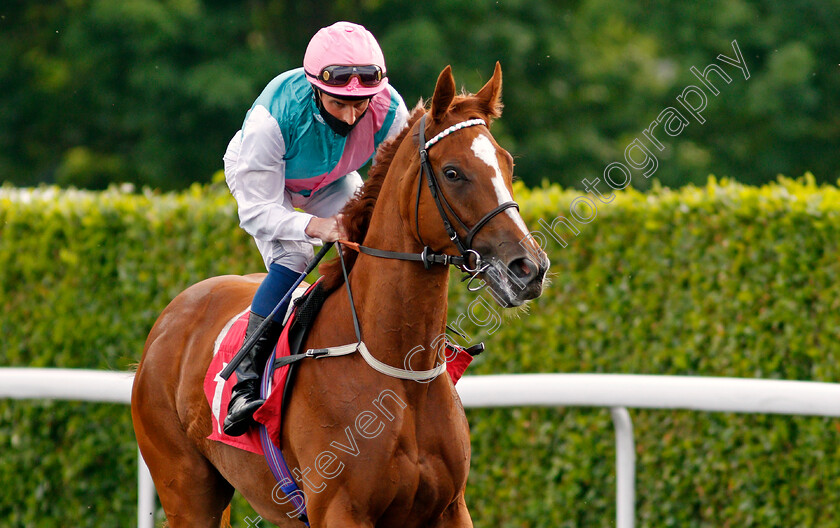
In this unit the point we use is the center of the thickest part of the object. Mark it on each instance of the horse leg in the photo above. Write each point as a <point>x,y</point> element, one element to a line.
<point>336,514</point>
<point>343,519</point>
<point>456,515</point>
<point>191,490</point>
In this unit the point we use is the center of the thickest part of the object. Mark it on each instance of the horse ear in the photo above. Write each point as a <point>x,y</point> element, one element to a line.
<point>444,93</point>
<point>490,94</point>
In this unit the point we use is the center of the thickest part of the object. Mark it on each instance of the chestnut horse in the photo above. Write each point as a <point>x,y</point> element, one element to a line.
<point>370,450</point>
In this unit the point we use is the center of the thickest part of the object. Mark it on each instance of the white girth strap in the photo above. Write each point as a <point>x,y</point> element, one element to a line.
<point>388,370</point>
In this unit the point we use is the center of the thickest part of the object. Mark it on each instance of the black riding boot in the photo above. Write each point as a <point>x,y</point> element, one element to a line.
<point>245,398</point>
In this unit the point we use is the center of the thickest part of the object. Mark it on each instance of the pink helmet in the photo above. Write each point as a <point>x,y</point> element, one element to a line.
<point>344,60</point>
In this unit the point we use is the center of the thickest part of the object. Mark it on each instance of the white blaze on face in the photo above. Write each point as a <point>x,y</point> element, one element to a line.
<point>486,152</point>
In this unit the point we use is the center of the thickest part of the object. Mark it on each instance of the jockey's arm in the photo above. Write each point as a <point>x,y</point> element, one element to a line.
<point>261,184</point>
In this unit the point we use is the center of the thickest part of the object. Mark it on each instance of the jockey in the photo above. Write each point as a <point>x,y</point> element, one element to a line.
<point>300,146</point>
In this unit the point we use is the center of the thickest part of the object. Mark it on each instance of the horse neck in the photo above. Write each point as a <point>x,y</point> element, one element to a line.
<point>404,304</point>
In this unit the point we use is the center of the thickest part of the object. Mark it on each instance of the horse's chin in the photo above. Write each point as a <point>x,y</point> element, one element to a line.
<point>505,300</point>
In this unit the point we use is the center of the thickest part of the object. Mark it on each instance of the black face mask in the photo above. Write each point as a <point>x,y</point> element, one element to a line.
<point>337,125</point>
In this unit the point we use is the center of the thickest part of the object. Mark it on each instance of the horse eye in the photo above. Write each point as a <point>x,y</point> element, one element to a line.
<point>451,174</point>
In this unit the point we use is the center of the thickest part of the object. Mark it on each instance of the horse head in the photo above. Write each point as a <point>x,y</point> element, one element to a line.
<point>463,202</point>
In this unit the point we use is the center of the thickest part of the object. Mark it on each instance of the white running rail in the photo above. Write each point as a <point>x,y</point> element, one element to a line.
<point>615,391</point>
<point>83,385</point>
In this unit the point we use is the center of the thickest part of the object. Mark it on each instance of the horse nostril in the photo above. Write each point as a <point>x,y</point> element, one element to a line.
<point>524,269</point>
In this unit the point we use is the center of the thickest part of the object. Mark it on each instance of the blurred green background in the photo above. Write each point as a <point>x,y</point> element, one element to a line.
<point>150,91</point>
<point>719,280</point>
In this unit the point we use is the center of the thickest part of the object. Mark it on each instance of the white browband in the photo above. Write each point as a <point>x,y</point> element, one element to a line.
<point>453,128</point>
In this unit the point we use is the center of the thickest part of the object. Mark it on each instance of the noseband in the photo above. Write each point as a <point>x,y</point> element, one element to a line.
<point>463,245</point>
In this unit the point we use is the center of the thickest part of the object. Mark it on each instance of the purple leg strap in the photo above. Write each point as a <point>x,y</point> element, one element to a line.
<point>275,459</point>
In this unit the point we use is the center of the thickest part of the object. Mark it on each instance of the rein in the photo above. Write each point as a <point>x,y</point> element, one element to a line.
<point>464,246</point>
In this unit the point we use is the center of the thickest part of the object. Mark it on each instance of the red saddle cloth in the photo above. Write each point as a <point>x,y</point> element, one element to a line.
<point>218,391</point>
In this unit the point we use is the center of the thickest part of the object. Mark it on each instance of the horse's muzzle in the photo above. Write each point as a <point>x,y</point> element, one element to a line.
<point>520,280</point>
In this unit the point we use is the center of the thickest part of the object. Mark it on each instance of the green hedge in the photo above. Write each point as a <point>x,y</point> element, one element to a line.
<point>723,280</point>
<point>83,276</point>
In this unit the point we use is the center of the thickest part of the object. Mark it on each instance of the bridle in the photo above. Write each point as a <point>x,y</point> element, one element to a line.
<point>463,245</point>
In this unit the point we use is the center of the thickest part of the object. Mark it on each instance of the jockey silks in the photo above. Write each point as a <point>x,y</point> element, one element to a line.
<point>285,146</point>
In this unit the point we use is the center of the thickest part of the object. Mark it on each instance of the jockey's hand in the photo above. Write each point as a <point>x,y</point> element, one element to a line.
<point>327,229</point>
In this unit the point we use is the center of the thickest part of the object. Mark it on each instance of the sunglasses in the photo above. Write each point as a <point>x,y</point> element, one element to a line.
<point>337,75</point>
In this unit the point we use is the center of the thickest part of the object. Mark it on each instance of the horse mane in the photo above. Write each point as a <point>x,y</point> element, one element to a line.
<point>358,211</point>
